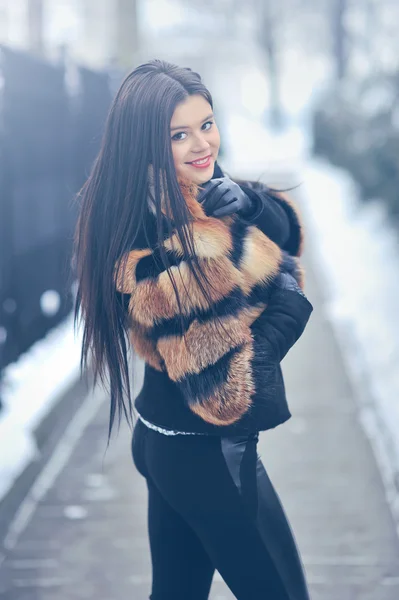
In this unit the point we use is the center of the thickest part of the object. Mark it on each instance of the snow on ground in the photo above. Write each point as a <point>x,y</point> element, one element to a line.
<point>31,387</point>
<point>357,250</point>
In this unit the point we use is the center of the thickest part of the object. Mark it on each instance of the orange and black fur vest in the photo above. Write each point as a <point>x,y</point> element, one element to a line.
<point>215,367</point>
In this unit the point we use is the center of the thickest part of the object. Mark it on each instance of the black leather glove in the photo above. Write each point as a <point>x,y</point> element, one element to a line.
<point>287,281</point>
<point>221,197</point>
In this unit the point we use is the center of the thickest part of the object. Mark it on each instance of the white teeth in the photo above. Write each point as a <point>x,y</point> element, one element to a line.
<point>200,162</point>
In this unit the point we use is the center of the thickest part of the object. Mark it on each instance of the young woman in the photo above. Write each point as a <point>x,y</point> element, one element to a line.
<point>202,274</point>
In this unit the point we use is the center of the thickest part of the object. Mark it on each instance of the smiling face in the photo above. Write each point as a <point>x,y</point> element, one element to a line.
<point>194,136</point>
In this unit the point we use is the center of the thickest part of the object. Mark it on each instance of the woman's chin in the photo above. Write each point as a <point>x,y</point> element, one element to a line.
<point>202,176</point>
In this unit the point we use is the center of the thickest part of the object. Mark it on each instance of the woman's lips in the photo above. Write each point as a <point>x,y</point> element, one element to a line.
<point>204,165</point>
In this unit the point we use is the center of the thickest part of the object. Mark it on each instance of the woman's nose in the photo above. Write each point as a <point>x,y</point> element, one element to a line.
<point>200,144</point>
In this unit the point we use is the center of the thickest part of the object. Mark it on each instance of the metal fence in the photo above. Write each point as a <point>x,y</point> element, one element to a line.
<point>49,135</point>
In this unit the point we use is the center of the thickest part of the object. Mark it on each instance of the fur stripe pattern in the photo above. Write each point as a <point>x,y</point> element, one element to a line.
<point>206,348</point>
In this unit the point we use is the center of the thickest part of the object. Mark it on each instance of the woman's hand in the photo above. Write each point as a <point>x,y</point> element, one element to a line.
<point>286,281</point>
<point>221,197</point>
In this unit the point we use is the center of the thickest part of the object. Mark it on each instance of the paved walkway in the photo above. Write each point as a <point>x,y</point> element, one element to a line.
<point>86,535</point>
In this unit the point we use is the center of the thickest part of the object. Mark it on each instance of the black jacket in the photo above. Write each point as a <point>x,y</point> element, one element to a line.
<point>214,388</point>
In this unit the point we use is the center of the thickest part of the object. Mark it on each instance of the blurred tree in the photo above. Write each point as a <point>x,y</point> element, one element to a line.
<point>340,37</point>
<point>269,24</point>
<point>35,26</point>
<point>127,33</point>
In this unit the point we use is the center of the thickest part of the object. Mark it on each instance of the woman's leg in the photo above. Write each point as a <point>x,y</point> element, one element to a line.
<point>277,535</point>
<point>220,488</point>
<point>181,569</point>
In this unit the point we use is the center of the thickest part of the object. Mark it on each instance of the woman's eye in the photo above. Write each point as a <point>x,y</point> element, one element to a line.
<point>177,134</point>
<point>208,122</point>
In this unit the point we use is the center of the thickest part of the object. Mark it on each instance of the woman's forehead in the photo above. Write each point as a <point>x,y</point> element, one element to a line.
<point>191,112</point>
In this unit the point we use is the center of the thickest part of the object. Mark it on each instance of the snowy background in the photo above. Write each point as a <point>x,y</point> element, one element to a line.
<point>305,91</point>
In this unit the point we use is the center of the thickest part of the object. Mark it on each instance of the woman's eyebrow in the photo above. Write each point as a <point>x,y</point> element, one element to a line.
<point>188,127</point>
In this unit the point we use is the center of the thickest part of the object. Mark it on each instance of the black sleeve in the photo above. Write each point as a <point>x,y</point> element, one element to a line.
<point>283,321</point>
<point>268,216</point>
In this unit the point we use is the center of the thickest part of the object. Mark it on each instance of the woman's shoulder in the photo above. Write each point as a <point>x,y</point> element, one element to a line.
<point>276,215</point>
<point>146,236</point>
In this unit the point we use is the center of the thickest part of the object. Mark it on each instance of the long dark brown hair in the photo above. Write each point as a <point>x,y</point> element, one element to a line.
<point>113,211</point>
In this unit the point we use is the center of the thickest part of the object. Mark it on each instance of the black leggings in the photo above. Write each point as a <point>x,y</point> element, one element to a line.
<point>211,505</point>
